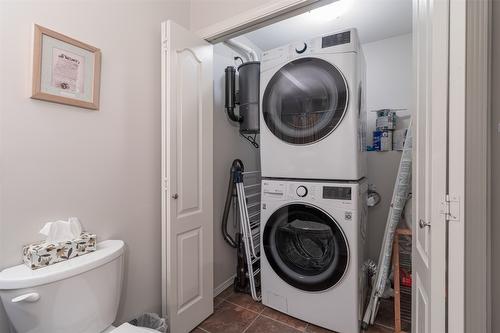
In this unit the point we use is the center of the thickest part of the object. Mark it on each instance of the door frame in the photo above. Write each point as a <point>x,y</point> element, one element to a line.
<point>258,17</point>
<point>469,143</point>
<point>469,254</point>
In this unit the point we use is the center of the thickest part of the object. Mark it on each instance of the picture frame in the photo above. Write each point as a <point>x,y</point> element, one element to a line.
<point>65,70</point>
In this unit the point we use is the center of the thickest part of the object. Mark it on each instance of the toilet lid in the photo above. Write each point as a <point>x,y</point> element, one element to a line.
<point>22,276</point>
<point>127,328</point>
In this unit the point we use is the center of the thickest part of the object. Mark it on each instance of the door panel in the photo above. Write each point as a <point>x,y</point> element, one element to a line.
<point>422,307</point>
<point>187,212</point>
<point>190,109</point>
<point>189,272</point>
<point>430,146</point>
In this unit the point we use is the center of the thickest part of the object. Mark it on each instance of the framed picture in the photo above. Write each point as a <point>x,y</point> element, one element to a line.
<point>65,70</point>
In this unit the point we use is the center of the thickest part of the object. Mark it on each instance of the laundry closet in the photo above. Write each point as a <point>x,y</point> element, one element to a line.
<point>334,104</point>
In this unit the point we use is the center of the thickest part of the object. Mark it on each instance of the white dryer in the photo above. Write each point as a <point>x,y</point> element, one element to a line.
<point>313,116</point>
<point>312,246</point>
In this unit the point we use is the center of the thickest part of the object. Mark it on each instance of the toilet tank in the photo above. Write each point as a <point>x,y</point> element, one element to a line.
<point>80,295</point>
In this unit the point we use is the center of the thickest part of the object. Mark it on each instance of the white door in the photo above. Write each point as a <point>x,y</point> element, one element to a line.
<point>187,181</point>
<point>431,43</point>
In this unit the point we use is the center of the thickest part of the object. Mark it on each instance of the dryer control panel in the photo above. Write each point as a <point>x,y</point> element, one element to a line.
<point>336,39</point>
<point>338,42</point>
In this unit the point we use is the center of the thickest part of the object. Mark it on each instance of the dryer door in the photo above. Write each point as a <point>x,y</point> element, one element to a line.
<point>306,247</point>
<point>305,101</point>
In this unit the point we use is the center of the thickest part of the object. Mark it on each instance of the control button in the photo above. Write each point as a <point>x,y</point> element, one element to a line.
<point>302,50</point>
<point>301,191</point>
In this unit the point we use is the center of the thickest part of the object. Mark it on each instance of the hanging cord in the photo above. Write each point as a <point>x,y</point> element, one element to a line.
<point>251,139</point>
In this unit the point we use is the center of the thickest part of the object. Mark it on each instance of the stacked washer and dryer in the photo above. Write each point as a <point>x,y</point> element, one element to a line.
<point>313,162</point>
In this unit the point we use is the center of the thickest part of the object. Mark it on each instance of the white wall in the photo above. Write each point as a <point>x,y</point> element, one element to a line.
<point>228,145</point>
<point>389,80</point>
<point>389,76</point>
<point>104,167</point>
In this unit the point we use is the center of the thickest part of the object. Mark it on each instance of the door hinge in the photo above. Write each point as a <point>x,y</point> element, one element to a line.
<point>450,207</point>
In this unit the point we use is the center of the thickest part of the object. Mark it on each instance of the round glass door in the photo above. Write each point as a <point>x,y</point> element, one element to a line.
<point>305,101</point>
<point>306,247</point>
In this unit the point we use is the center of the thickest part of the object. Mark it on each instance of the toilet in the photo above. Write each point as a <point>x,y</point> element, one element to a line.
<point>80,295</point>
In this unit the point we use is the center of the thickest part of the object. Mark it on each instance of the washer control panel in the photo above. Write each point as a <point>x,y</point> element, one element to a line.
<point>275,190</point>
<point>337,192</point>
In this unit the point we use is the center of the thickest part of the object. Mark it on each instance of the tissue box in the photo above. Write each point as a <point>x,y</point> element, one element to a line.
<point>41,254</point>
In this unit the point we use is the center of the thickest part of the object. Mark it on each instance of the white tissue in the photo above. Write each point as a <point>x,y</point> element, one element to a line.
<point>62,231</point>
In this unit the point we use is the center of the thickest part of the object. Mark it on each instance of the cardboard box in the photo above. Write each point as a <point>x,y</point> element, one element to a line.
<point>42,254</point>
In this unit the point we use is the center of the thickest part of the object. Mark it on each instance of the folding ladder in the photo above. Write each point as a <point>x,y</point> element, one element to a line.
<point>248,186</point>
<point>399,198</point>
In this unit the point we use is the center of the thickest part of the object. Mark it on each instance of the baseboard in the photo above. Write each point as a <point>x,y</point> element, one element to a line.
<point>224,285</point>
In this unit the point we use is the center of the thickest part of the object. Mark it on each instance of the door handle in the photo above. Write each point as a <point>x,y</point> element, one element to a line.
<point>28,298</point>
<point>422,224</point>
<point>175,196</point>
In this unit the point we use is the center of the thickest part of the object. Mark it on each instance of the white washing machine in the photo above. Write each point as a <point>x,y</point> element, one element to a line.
<point>312,244</point>
<point>313,117</point>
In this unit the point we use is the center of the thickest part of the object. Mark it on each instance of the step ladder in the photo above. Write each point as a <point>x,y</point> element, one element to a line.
<point>248,185</point>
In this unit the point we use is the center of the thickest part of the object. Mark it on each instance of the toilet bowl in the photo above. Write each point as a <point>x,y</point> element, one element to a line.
<point>80,295</point>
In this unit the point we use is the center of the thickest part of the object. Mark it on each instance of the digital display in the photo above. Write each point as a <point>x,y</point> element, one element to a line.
<point>336,192</point>
<point>337,39</point>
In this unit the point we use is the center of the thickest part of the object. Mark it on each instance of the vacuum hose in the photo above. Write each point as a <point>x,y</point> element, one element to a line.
<point>236,166</point>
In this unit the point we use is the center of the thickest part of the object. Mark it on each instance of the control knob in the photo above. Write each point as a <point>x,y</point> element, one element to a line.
<point>301,49</point>
<point>301,191</point>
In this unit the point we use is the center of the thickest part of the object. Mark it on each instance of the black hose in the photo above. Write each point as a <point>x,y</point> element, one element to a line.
<point>237,165</point>
<point>230,90</point>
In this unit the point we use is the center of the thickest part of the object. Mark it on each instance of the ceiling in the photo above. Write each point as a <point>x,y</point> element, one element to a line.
<point>374,19</point>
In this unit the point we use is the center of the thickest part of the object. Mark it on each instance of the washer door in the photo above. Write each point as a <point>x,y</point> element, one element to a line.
<point>305,247</point>
<point>305,101</point>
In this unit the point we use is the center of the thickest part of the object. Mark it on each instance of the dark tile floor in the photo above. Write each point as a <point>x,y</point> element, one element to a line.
<point>239,313</point>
